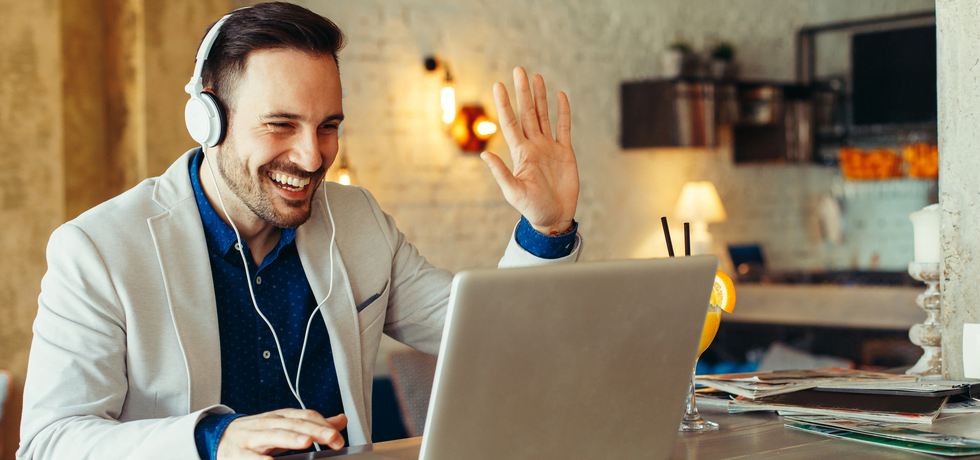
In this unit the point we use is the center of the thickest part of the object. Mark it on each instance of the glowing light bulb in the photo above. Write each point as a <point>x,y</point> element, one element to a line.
<point>486,128</point>
<point>344,178</point>
<point>448,104</point>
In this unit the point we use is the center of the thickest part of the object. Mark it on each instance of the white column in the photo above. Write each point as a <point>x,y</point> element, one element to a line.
<point>958,71</point>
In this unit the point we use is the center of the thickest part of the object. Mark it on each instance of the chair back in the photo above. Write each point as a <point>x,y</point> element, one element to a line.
<point>412,373</point>
<point>6,391</point>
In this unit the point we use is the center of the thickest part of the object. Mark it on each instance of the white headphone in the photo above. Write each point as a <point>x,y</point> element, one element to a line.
<point>203,114</point>
<point>205,119</point>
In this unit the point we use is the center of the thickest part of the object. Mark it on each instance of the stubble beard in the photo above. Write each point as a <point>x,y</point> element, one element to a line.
<point>248,189</point>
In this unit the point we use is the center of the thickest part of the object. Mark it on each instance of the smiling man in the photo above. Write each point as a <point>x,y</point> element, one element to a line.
<point>282,138</point>
<point>233,307</point>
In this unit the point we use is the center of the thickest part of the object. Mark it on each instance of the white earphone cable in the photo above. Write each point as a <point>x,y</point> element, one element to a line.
<point>241,250</point>
<point>306,335</point>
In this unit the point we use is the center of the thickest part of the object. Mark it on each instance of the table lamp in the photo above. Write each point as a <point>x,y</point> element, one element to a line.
<point>700,205</point>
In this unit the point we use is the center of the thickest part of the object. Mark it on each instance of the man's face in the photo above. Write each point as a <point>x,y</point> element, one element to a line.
<point>282,133</point>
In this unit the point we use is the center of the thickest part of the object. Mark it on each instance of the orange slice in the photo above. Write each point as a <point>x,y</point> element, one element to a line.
<point>723,292</point>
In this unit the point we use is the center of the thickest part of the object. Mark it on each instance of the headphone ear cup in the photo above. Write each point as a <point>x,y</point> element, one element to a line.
<point>222,122</point>
<point>205,119</point>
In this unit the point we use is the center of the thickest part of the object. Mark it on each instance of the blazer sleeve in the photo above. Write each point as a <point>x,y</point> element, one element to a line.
<point>419,292</point>
<point>76,379</point>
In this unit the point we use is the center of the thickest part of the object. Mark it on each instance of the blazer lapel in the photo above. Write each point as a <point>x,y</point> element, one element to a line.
<point>339,313</point>
<point>178,236</point>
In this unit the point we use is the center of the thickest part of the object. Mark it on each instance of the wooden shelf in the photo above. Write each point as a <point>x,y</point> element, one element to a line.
<point>668,113</point>
<point>772,122</point>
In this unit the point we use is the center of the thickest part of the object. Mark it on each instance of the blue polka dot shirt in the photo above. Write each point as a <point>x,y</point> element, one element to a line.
<point>252,380</point>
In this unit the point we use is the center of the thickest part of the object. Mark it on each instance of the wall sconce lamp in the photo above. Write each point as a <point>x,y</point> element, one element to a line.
<point>447,97</point>
<point>470,126</point>
<point>343,171</point>
<point>341,168</point>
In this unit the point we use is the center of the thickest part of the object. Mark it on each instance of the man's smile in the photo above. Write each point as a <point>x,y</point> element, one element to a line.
<point>289,183</point>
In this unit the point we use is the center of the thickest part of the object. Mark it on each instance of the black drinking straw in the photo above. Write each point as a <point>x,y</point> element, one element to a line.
<point>687,238</point>
<point>670,247</point>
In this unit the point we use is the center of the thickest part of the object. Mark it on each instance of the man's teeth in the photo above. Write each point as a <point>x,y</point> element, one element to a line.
<point>290,181</point>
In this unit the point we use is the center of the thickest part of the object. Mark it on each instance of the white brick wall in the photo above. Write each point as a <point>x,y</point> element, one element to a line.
<point>450,207</point>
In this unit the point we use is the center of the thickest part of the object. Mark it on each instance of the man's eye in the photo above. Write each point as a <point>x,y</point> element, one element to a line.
<point>280,125</point>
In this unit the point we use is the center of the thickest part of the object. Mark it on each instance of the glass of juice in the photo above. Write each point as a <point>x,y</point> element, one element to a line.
<point>692,420</point>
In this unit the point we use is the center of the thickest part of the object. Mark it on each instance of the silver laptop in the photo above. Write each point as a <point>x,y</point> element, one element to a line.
<point>587,360</point>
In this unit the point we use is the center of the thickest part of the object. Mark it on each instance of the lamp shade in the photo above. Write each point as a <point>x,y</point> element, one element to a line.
<point>699,202</point>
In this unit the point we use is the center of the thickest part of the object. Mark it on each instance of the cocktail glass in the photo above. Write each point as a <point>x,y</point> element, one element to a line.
<point>692,420</point>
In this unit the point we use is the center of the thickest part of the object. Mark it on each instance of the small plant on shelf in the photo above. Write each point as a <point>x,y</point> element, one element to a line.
<point>679,60</point>
<point>722,61</point>
<point>723,51</point>
<point>681,46</point>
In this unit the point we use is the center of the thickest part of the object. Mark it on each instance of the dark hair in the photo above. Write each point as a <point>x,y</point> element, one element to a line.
<point>265,26</point>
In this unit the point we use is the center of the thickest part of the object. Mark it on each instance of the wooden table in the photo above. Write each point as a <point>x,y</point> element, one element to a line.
<point>762,435</point>
<point>759,435</point>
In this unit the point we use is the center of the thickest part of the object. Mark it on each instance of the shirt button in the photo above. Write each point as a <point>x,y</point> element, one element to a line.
<point>266,354</point>
<point>238,247</point>
<point>258,280</point>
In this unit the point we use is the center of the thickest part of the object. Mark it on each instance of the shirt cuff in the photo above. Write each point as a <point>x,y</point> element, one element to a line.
<point>208,432</point>
<point>545,246</point>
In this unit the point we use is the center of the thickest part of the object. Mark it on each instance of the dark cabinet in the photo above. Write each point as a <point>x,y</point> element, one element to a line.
<point>668,113</point>
<point>775,123</point>
<point>769,121</point>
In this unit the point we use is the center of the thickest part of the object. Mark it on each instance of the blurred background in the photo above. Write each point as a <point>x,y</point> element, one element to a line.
<point>91,102</point>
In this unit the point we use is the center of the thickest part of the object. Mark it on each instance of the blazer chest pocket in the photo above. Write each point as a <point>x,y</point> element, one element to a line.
<point>372,311</point>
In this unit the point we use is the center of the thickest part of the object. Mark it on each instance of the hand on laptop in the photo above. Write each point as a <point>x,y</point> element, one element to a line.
<point>260,436</point>
<point>544,184</point>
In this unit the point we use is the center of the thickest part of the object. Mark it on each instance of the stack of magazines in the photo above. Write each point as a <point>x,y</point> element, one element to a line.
<point>851,404</point>
<point>846,393</point>
<point>887,435</point>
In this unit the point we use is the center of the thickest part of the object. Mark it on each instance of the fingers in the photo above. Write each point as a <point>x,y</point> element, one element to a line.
<point>525,103</point>
<point>541,105</point>
<point>283,429</point>
<point>321,430</point>
<point>506,180</point>
<point>564,127</point>
<point>338,421</point>
<point>505,116</point>
<point>532,108</point>
<point>302,432</point>
<point>302,414</point>
<point>271,440</point>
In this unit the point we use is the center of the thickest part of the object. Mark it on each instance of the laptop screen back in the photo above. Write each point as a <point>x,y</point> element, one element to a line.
<point>587,360</point>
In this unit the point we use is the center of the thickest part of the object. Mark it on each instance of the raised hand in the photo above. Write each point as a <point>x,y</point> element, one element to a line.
<point>263,435</point>
<point>544,184</point>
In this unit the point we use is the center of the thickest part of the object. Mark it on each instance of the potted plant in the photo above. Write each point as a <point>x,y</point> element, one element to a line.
<point>676,61</point>
<point>722,57</point>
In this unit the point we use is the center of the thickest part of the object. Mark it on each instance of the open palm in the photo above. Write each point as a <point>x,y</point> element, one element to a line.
<point>544,184</point>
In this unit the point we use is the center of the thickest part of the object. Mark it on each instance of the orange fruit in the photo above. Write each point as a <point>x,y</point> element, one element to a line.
<point>723,292</point>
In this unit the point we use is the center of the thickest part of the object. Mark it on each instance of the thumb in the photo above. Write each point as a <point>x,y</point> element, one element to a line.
<point>506,180</point>
<point>338,421</point>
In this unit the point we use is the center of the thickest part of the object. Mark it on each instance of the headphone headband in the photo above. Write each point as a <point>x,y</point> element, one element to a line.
<point>203,114</point>
<point>196,85</point>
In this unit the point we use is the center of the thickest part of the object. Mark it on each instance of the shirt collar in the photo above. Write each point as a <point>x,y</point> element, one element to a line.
<point>219,235</point>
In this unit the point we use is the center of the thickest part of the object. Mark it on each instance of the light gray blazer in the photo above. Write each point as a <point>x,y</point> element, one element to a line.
<point>125,358</point>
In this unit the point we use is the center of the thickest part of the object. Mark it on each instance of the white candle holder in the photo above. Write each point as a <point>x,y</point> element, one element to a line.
<point>928,334</point>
